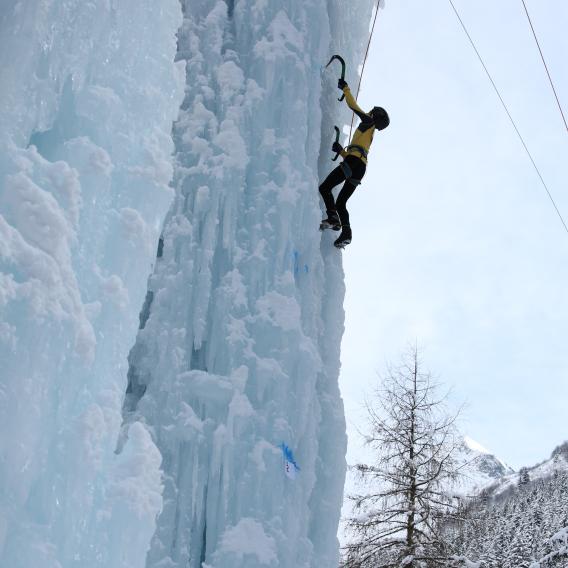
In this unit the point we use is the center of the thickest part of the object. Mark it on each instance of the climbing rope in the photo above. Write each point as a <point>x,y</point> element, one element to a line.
<point>545,65</point>
<point>364,61</point>
<point>509,115</point>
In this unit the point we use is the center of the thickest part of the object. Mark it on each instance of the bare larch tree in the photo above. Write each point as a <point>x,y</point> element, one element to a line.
<point>395,519</point>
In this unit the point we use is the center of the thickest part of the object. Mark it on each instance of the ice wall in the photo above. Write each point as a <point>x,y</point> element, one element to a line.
<point>238,350</point>
<point>88,94</point>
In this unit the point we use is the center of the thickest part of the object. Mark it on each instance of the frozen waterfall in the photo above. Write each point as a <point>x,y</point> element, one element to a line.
<point>89,91</point>
<point>237,352</point>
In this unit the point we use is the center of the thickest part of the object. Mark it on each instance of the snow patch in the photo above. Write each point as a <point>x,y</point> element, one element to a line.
<point>475,446</point>
<point>248,538</point>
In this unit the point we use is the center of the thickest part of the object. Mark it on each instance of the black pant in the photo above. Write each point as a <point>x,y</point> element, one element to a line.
<point>337,176</point>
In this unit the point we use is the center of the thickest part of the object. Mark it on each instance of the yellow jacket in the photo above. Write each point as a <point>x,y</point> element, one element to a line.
<point>363,135</point>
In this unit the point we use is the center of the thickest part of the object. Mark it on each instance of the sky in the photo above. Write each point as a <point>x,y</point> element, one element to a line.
<point>456,245</point>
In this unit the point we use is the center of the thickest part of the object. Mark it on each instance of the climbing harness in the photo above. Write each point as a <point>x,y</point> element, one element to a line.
<point>342,61</point>
<point>357,148</point>
<point>348,172</point>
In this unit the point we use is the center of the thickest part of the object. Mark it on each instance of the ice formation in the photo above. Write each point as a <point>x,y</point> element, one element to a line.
<point>89,91</point>
<point>238,348</point>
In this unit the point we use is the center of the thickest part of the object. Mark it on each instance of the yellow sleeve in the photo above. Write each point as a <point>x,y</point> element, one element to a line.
<point>343,153</point>
<point>351,102</point>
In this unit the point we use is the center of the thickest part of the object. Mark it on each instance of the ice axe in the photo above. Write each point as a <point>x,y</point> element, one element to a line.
<point>337,140</point>
<point>342,61</point>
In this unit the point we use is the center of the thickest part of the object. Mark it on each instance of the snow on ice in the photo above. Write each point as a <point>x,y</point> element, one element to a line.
<point>89,91</point>
<point>173,459</point>
<point>244,314</point>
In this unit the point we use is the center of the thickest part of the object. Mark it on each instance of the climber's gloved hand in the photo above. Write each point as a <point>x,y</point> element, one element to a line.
<point>337,147</point>
<point>341,84</point>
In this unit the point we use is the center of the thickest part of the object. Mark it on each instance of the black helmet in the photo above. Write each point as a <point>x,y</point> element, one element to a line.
<point>380,117</point>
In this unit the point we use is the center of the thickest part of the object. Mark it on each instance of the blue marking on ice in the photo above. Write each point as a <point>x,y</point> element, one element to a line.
<point>291,468</point>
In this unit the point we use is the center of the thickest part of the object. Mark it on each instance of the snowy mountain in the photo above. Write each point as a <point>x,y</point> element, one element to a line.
<point>207,267</point>
<point>478,467</point>
<point>520,521</point>
<point>557,463</point>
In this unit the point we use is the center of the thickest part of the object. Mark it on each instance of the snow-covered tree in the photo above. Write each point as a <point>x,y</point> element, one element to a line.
<point>524,527</point>
<point>524,476</point>
<point>395,520</point>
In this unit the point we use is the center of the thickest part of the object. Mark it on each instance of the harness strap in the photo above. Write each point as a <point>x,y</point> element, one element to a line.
<point>359,149</point>
<point>348,172</point>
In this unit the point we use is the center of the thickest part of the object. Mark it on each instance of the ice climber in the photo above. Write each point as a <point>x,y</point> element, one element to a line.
<point>352,169</point>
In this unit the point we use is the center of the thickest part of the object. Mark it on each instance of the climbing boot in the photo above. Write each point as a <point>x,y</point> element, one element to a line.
<point>332,222</point>
<point>344,238</point>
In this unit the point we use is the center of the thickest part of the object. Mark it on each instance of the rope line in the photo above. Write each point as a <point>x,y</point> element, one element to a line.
<point>364,61</point>
<point>545,65</point>
<point>510,117</point>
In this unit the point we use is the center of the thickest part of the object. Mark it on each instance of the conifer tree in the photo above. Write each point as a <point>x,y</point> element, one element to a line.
<point>526,527</point>
<point>524,476</point>
<point>396,522</point>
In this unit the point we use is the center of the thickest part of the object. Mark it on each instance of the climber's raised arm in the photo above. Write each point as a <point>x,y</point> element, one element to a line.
<point>352,103</point>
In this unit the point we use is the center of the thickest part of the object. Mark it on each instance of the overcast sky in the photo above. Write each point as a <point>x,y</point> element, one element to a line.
<point>455,242</point>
